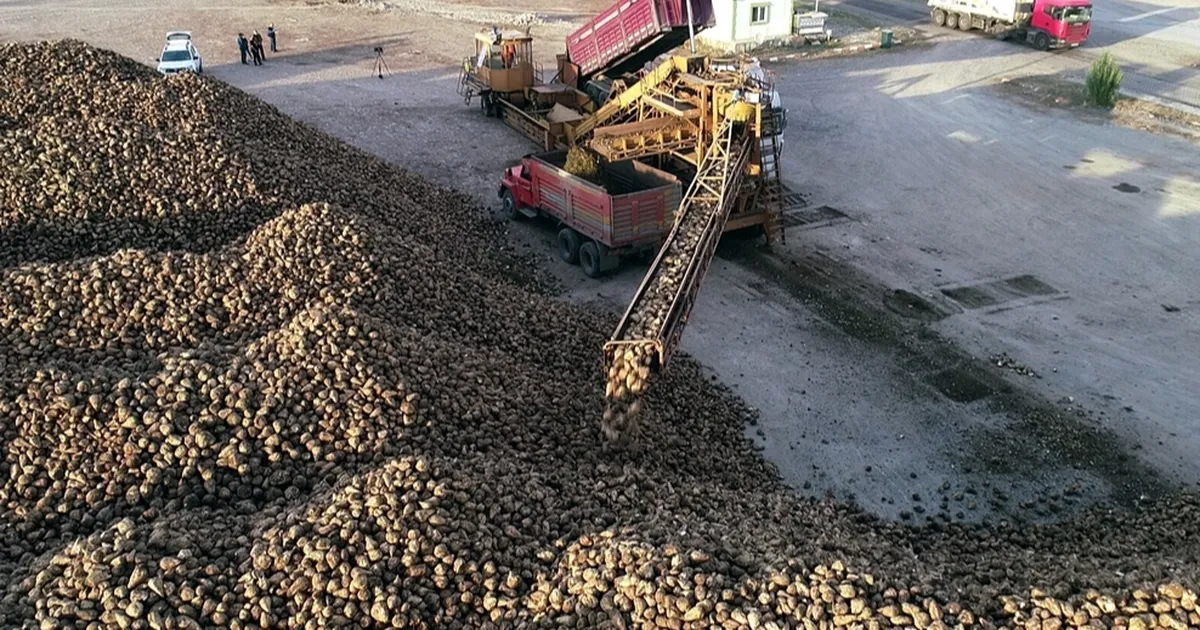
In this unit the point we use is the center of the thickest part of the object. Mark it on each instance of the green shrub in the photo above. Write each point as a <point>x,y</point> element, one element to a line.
<point>1104,82</point>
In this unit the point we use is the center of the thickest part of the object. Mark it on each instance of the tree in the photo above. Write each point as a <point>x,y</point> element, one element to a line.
<point>1104,82</point>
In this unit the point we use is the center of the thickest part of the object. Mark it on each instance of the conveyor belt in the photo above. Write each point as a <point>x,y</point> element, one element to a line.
<point>653,136</point>
<point>650,330</point>
<point>627,98</point>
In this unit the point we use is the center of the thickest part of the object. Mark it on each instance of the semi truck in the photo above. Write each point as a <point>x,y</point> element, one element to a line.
<point>1043,24</point>
<point>629,214</point>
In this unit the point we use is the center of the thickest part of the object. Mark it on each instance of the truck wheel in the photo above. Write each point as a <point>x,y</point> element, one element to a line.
<point>951,20</point>
<point>508,206</point>
<point>939,17</point>
<point>568,246</point>
<point>1041,41</point>
<point>589,259</point>
<point>964,21</point>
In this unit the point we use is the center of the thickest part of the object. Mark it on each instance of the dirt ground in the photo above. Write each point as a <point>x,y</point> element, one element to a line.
<point>865,343</point>
<point>1071,95</point>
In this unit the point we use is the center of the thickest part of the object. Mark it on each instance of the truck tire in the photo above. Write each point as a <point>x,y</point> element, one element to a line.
<point>589,260</point>
<point>508,206</point>
<point>964,21</point>
<point>568,246</point>
<point>1041,41</point>
<point>951,20</point>
<point>939,17</point>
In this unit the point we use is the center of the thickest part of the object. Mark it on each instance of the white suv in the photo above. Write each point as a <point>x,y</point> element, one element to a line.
<point>179,55</point>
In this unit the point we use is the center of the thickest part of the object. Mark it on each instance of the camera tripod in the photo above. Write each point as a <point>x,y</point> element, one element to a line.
<point>380,65</point>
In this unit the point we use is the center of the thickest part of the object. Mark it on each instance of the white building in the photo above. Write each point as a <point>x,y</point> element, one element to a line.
<point>744,24</point>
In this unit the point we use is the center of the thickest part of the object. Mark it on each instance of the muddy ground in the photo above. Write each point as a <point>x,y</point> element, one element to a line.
<point>934,226</point>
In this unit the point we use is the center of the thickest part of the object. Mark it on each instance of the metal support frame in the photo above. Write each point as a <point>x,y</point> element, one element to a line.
<point>649,136</point>
<point>707,202</point>
<point>698,111</point>
<point>626,99</point>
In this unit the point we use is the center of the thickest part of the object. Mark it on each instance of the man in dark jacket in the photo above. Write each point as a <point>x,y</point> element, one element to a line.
<point>243,46</point>
<point>256,48</point>
<point>271,36</point>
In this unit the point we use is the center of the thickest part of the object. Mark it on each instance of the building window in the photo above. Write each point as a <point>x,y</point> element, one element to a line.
<point>758,14</point>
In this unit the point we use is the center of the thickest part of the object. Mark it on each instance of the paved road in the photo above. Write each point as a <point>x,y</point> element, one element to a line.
<point>1015,222</point>
<point>1157,44</point>
<point>1170,30</point>
<point>904,10</point>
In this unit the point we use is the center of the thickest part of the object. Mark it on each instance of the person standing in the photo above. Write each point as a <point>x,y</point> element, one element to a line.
<point>271,36</point>
<point>256,48</point>
<point>243,46</point>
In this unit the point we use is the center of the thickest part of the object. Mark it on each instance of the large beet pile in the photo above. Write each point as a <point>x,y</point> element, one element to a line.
<point>251,377</point>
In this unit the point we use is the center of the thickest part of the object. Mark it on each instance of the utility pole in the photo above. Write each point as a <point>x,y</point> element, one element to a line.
<point>691,27</point>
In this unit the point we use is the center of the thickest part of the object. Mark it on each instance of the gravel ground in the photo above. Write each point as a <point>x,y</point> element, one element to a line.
<point>460,13</point>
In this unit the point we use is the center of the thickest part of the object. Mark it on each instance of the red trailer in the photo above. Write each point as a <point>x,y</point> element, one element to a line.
<point>631,32</point>
<point>629,215</point>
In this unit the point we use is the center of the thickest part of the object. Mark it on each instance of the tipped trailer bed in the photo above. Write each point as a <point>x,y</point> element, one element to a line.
<point>626,35</point>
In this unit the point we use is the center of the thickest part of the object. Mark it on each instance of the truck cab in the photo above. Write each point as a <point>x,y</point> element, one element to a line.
<point>1066,23</point>
<point>516,191</point>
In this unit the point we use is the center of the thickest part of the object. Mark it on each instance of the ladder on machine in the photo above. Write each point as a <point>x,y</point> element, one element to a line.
<point>771,197</point>
<point>771,192</point>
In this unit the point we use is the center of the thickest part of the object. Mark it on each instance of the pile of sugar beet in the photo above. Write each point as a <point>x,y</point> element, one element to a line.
<point>253,377</point>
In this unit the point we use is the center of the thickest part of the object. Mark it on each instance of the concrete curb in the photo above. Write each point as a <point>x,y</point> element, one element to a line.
<point>832,51</point>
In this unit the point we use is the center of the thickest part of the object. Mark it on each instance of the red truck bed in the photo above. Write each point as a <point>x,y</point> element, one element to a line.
<point>636,210</point>
<point>634,28</point>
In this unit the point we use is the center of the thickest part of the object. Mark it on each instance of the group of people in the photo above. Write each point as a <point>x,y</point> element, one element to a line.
<point>254,45</point>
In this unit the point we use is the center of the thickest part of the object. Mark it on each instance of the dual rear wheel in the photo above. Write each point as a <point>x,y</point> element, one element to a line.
<point>964,21</point>
<point>572,247</point>
<point>952,20</point>
<point>574,250</point>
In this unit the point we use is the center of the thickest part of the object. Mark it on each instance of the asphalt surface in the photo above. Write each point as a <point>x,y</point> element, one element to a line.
<point>1157,44</point>
<point>1068,245</point>
<point>900,10</point>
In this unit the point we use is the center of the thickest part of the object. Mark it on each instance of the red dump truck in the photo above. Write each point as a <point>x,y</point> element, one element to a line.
<point>629,215</point>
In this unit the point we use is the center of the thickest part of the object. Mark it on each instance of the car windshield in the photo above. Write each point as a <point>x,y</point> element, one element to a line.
<point>176,55</point>
<point>1077,15</point>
